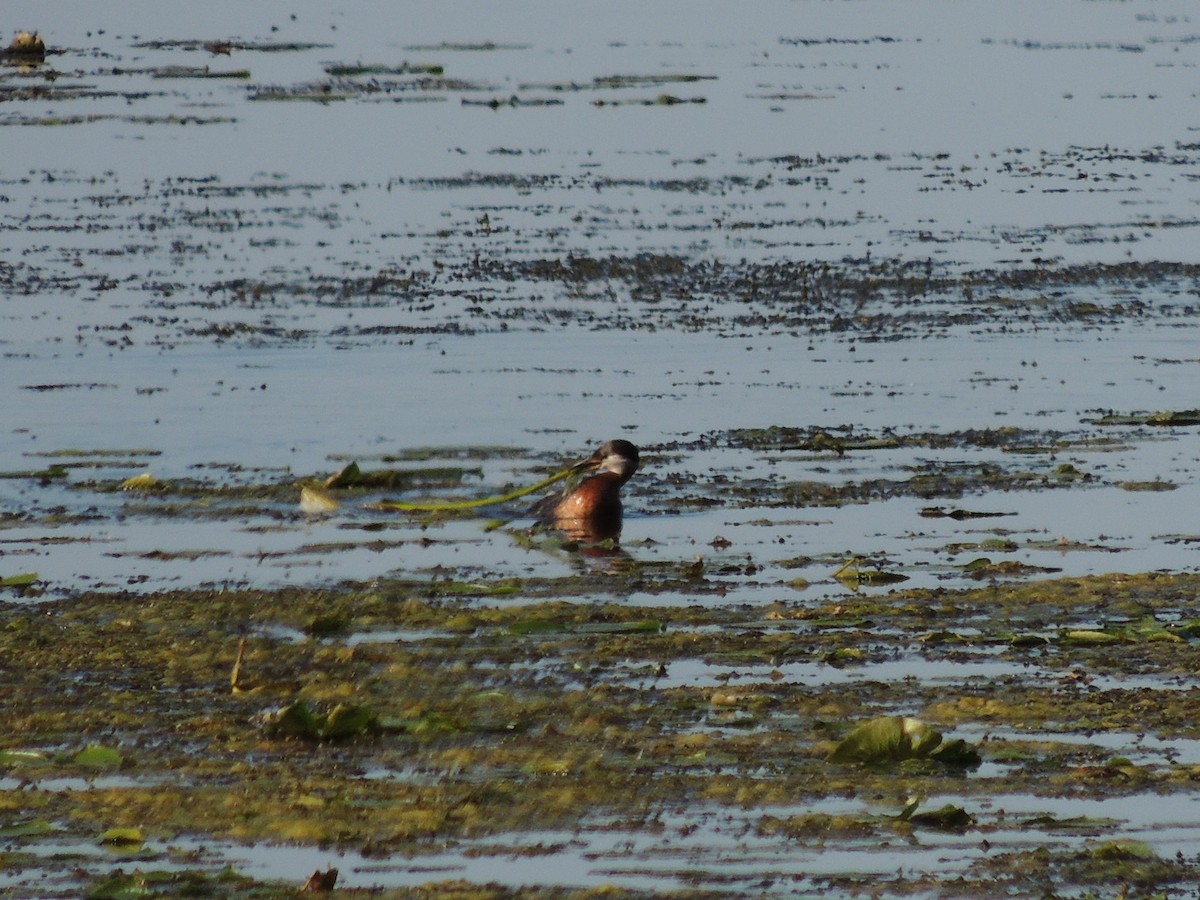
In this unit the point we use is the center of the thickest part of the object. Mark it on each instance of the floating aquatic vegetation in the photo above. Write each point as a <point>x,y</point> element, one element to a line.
<point>143,482</point>
<point>892,739</point>
<point>314,501</point>
<point>225,46</point>
<point>123,836</point>
<point>660,100</point>
<point>300,720</point>
<point>937,512</point>
<point>619,82</point>
<point>97,756</point>
<point>466,47</point>
<point>946,818</point>
<point>1157,485</point>
<point>851,573</point>
<point>19,581</point>
<point>346,70</point>
<point>1164,418</point>
<point>199,72</point>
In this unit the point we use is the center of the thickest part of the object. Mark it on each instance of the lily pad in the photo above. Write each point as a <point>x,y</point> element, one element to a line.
<point>96,756</point>
<point>890,739</point>
<point>123,837</point>
<point>22,580</point>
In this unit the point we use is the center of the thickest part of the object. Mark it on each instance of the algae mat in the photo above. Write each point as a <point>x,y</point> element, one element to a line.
<point>411,738</point>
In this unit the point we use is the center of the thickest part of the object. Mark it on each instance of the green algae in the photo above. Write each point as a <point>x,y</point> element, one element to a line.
<point>579,683</point>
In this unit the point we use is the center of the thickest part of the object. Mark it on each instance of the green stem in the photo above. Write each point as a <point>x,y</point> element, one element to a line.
<point>449,505</point>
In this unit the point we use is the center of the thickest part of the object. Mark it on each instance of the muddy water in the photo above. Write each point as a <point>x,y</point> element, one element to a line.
<point>833,267</point>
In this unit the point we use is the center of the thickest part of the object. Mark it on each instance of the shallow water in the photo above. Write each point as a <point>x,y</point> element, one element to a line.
<point>248,281</point>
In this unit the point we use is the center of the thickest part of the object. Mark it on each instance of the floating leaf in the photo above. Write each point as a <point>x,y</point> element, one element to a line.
<point>1088,636</point>
<point>23,580</point>
<point>948,818</point>
<point>314,501</point>
<point>1077,824</point>
<point>1122,849</point>
<point>851,574</point>
<point>22,758</point>
<point>635,627</point>
<point>536,626</point>
<point>143,482</point>
<point>895,738</point>
<point>27,828</point>
<point>123,837</point>
<point>1030,640</point>
<point>1156,485</point>
<point>96,756</point>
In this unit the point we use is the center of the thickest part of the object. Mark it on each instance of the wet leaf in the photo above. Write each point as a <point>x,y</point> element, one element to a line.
<point>27,828</point>
<point>537,626</point>
<point>143,482</point>
<point>1076,824</point>
<point>314,501</point>
<point>948,818</point>
<point>1030,640</point>
<point>957,752</point>
<point>1088,636</point>
<point>96,756</point>
<point>897,738</point>
<point>22,580</point>
<point>851,574</point>
<point>1156,485</point>
<point>1122,849</point>
<point>636,627</point>
<point>123,837</point>
<point>887,738</point>
<point>23,758</point>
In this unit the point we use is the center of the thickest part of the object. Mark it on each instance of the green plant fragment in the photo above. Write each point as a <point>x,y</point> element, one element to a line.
<point>889,739</point>
<point>123,837</point>
<point>95,756</point>
<point>25,829</point>
<point>1090,636</point>
<point>23,758</point>
<point>641,626</point>
<point>22,580</point>
<point>948,818</point>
